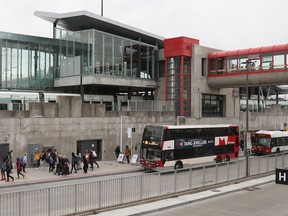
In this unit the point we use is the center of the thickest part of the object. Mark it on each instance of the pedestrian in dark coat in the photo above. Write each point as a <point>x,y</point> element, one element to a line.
<point>85,164</point>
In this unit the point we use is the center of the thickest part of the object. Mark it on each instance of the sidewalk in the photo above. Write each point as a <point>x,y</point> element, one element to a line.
<point>34,176</point>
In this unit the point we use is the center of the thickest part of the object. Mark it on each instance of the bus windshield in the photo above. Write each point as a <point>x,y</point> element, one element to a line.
<point>152,154</point>
<point>153,134</point>
<point>262,141</point>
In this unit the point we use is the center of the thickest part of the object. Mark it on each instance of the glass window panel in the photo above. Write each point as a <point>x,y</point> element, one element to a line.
<point>279,61</point>
<point>267,62</point>
<point>243,67</point>
<point>212,64</point>
<point>232,65</point>
<point>99,53</point>
<point>221,65</point>
<point>255,65</point>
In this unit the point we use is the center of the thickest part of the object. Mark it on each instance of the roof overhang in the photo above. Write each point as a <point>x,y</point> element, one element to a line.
<point>84,20</point>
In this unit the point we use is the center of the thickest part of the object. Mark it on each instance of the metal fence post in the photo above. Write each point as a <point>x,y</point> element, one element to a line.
<point>159,183</point>
<point>99,194</point>
<point>75,204</point>
<point>238,171</point>
<point>216,173</point>
<point>259,165</point>
<point>283,155</point>
<point>190,178</point>
<point>49,202</point>
<point>227,171</point>
<point>19,206</point>
<point>204,175</point>
<point>175,181</point>
<point>141,187</point>
<point>121,191</point>
<point>267,163</point>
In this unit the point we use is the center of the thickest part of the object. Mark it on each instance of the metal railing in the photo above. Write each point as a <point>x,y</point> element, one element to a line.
<point>77,198</point>
<point>150,105</point>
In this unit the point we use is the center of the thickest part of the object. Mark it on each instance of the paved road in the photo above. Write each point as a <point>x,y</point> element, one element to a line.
<point>265,200</point>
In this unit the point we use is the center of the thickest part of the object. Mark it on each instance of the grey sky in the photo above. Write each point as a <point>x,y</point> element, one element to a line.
<point>221,24</point>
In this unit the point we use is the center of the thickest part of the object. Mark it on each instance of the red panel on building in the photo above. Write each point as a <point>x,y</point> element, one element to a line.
<point>180,46</point>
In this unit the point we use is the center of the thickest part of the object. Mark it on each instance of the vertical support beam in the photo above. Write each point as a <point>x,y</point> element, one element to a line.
<point>182,87</point>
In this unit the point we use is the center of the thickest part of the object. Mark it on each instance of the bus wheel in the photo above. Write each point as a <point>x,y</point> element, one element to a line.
<point>227,158</point>
<point>218,159</point>
<point>277,150</point>
<point>178,165</point>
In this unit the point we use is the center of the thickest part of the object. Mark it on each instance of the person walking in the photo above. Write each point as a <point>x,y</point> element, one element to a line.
<point>3,169</point>
<point>127,153</point>
<point>85,164</point>
<point>9,158</point>
<point>24,162</point>
<point>37,158</point>
<point>8,171</point>
<point>90,159</point>
<point>42,159</point>
<point>94,158</point>
<point>117,151</point>
<point>74,161</point>
<point>79,159</point>
<point>19,168</point>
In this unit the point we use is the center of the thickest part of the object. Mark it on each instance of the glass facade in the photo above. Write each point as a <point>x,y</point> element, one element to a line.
<point>26,62</point>
<point>32,63</point>
<point>262,62</point>
<point>213,105</point>
<point>179,84</point>
<point>93,52</point>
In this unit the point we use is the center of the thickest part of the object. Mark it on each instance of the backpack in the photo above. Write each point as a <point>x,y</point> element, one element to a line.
<point>51,159</point>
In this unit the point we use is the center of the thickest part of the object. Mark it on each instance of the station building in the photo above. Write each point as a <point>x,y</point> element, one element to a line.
<point>93,55</point>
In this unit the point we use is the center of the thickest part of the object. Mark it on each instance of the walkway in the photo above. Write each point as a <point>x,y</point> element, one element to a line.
<point>34,176</point>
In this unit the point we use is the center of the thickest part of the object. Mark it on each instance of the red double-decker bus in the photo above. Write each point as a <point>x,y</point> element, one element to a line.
<point>267,142</point>
<point>170,145</point>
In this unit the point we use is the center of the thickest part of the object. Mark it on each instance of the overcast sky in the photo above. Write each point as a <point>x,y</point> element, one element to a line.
<point>221,24</point>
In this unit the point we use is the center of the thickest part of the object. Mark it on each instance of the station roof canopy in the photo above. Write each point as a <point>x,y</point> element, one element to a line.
<point>84,20</point>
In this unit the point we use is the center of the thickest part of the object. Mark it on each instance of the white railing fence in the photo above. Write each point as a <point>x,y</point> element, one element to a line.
<point>73,199</point>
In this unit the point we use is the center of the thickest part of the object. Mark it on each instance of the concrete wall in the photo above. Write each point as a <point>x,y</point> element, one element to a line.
<point>19,129</point>
<point>68,122</point>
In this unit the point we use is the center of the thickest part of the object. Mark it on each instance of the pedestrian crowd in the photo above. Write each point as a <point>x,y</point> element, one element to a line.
<point>57,164</point>
<point>60,164</point>
<point>7,166</point>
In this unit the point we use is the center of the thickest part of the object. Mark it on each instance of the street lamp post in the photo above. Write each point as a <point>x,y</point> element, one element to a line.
<point>248,62</point>
<point>101,7</point>
<point>121,132</point>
